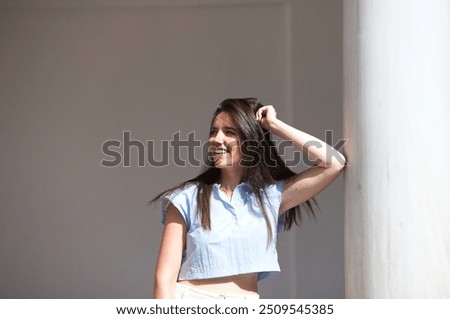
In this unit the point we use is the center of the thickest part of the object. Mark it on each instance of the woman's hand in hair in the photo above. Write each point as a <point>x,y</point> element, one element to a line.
<point>266,116</point>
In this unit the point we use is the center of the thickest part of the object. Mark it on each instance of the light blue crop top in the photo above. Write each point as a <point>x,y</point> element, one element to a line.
<point>237,241</point>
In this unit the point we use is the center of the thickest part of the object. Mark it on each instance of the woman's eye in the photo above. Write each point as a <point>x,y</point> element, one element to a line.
<point>230,132</point>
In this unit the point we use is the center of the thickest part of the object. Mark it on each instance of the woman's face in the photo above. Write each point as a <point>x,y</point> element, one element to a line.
<point>224,142</point>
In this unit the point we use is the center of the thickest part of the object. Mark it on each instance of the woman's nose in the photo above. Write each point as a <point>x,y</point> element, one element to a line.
<point>218,138</point>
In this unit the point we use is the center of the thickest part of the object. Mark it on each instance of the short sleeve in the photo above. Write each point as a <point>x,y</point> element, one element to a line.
<point>183,200</point>
<point>274,193</point>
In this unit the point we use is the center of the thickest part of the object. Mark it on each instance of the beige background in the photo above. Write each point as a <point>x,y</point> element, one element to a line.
<point>74,74</point>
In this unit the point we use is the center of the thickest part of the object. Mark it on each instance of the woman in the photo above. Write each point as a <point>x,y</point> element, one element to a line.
<point>220,230</point>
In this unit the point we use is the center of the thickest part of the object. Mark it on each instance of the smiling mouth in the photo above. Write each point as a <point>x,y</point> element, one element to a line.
<point>219,151</point>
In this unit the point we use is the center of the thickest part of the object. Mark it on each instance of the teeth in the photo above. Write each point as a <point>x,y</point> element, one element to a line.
<point>220,152</point>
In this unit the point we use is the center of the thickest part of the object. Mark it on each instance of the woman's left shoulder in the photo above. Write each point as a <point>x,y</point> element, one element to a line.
<point>276,187</point>
<point>274,191</point>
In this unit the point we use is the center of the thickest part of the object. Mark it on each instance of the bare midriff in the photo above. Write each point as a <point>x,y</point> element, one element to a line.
<point>237,284</point>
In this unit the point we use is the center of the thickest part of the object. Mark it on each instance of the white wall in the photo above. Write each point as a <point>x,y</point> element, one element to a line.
<point>74,74</point>
<point>397,98</point>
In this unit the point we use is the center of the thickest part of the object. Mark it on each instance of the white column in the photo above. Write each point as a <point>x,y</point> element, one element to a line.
<point>397,117</point>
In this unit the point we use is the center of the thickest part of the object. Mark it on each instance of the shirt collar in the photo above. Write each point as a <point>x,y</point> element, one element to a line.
<point>241,186</point>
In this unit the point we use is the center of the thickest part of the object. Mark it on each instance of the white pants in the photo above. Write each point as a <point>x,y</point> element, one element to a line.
<point>189,292</point>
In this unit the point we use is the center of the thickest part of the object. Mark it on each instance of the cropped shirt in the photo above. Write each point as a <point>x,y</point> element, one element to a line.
<point>237,242</point>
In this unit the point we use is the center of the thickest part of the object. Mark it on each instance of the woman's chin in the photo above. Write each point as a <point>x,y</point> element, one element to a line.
<point>220,164</point>
<point>224,165</point>
<point>221,161</point>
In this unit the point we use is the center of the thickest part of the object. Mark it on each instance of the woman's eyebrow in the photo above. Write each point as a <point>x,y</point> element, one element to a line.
<point>225,127</point>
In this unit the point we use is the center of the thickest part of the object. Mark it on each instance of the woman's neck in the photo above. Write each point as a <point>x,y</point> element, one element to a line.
<point>229,180</point>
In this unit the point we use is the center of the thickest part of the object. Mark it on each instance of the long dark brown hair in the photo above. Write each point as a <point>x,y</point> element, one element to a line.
<point>260,171</point>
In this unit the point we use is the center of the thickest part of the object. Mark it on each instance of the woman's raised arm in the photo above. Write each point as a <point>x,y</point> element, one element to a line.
<point>328,161</point>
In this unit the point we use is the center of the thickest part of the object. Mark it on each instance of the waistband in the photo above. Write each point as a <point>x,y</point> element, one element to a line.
<point>188,292</point>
